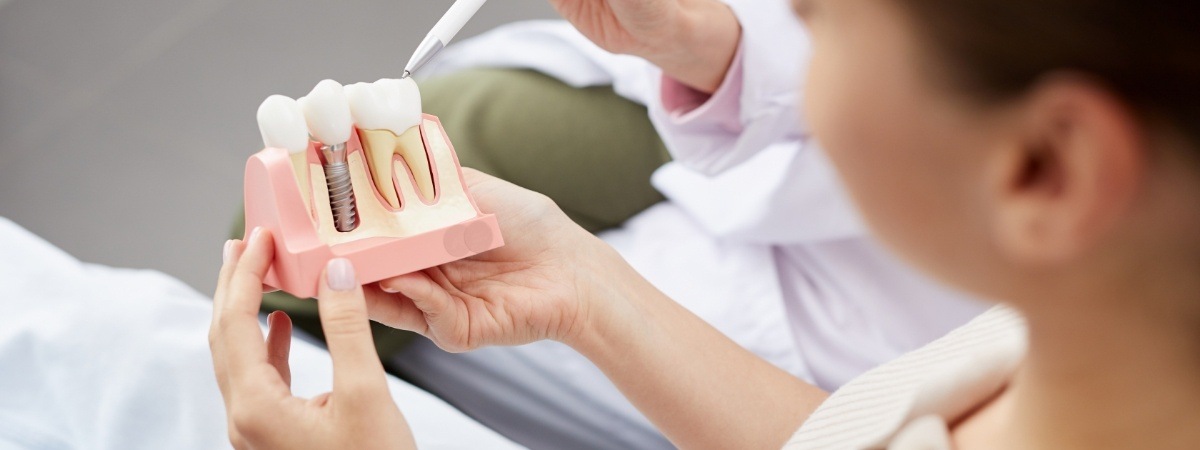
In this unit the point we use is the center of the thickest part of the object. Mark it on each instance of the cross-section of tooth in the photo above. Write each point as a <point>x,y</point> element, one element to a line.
<point>282,124</point>
<point>452,205</point>
<point>387,113</point>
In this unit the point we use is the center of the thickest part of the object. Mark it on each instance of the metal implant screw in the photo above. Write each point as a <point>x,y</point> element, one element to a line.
<point>341,191</point>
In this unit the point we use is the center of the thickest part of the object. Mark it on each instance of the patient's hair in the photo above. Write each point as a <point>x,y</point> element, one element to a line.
<point>1147,52</point>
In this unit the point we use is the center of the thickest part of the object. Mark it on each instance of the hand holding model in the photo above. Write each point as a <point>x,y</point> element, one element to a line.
<point>255,379</point>
<point>693,41</point>
<point>534,288</point>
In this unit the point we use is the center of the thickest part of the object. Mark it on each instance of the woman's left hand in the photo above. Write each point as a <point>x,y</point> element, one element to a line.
<point>255,379</point>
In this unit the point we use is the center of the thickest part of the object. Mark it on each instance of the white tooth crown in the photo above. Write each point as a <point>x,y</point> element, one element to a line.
<point>282,124</point>
<point>327,113</point>
<point>387,104</point>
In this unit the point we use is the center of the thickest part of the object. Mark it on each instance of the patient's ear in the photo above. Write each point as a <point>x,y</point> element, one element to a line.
<point>1066,174</point>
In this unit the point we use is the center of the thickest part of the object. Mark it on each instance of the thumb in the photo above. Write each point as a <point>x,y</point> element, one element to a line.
<point>347,328</point>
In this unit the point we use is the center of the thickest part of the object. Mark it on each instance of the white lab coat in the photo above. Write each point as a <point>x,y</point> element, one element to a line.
<point>758,237</point>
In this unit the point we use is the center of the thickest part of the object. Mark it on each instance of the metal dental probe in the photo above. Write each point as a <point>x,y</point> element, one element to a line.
<point>341,191</point>
<point>441,34</point>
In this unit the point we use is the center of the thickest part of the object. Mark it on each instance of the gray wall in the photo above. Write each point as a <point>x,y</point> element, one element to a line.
<point>125,124</point>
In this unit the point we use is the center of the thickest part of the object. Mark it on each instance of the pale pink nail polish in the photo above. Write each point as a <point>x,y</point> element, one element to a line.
<point>339,273</point>
<point>254,235</point>
<point>227,252</point>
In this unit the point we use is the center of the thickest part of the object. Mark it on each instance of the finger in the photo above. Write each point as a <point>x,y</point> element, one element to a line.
<point>394,310</point>
<point>427,295</point>
<point>473,177</point>
<point>279,344</point>
<point>320,400</point>
<point>241,337</point>
<point>251,268</point>
<point>441,304</point>
<point>481,186</point>
<point>229,256</point>
<point>347,328</point>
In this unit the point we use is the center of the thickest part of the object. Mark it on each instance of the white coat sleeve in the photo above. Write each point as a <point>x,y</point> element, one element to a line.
<point>754,107</point>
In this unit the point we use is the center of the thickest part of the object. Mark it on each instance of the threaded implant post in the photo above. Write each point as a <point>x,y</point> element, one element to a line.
<point>341,190</point>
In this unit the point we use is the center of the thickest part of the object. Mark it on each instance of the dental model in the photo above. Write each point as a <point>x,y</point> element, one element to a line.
<point>359,173</point>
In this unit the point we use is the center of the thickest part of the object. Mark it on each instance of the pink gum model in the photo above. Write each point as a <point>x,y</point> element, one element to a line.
<point>273,201</point>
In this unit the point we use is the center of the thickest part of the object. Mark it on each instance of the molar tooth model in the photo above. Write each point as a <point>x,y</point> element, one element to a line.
<point>397,204</point>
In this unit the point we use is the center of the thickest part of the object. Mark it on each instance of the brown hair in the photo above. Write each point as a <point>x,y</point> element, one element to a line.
<point>1147,52</point>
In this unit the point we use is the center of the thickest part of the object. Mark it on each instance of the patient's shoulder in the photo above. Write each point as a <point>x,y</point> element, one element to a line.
<point>945,379</point>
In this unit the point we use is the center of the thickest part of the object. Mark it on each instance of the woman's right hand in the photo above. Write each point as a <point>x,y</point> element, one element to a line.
<point>537,286</point>
<point>635,27</point>
<point>693,41</point>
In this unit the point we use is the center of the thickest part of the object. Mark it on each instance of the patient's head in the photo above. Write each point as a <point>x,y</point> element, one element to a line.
<point>1030,150</point>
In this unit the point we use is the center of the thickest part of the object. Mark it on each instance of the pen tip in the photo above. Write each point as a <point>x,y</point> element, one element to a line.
<point>406,74</point>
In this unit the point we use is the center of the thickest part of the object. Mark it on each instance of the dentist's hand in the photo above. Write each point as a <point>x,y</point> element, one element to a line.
<point>538,286</point>
<point>255,379</point>
<point>693,41</point>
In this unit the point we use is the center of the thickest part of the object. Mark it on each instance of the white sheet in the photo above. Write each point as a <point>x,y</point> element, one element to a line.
<point>93,357</point>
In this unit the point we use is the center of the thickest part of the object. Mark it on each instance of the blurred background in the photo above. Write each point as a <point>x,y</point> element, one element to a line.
<point>125,124</point>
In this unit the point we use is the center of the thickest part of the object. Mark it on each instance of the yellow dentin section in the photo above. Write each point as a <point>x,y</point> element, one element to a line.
<point>381,146</point>
<point>412,149</point>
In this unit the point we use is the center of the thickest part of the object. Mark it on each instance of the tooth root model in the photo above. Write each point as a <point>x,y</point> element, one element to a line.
<point>387,113</point>
<point>409,208</point>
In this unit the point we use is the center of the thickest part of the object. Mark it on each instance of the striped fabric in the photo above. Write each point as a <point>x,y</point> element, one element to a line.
<point>946,379</point>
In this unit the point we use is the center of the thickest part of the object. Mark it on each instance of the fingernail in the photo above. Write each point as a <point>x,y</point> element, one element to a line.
<point>339,273</point>
<point>275,317</point>
<point>227,252</point>
<point>387,288</point>
<point>254,235</point>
